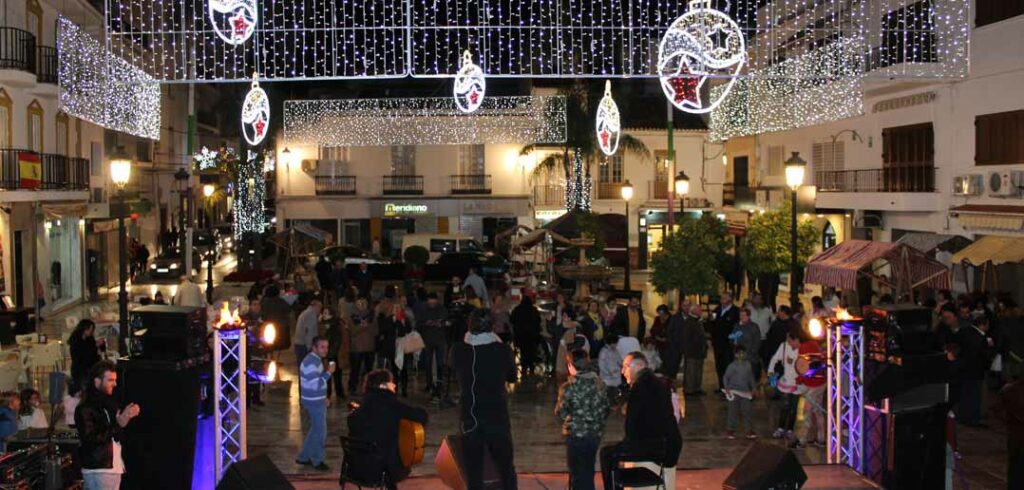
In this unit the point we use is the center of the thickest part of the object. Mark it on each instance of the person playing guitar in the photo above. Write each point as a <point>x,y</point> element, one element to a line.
<point>394,427</point>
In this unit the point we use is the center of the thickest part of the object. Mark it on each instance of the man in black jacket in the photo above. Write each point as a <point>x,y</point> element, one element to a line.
<point>973,363</point>
<point>652,431</point>
<point>526,325</point>
<point>484,364</point>
<point>99,423</point>
<point>432,323</point>
<point>726,317</point>
<point>376,420</point>
<point>777,332</point>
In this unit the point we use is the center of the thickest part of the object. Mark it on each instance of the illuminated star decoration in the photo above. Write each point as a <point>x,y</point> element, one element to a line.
<point>470,85</point>
<point>233,20</point>
<point>607,122</point>
<point>255,113</point>
<point>701,45</point>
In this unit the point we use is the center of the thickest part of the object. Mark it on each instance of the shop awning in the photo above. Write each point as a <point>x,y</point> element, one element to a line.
<point>995,249</point>
<point>989,217</point>
<point>928,242</point>
<point>840,265</point>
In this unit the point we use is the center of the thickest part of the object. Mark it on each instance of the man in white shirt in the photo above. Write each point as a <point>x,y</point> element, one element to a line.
<point>189,293</point>
<point>760,314</point>
<point>307,327</point>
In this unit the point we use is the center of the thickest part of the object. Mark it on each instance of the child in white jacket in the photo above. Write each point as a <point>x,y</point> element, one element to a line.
<point>782,374</point>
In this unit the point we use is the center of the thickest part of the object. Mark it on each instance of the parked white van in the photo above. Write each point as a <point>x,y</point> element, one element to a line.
<point>439,244</point>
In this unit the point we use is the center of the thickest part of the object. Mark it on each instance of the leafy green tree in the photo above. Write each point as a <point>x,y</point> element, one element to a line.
<point>765,249</point>
<point>687,259</point>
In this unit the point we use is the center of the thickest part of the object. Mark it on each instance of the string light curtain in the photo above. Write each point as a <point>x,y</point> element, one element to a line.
<point>180,40</point>
<point>424,121</point>
<point>102,88</point>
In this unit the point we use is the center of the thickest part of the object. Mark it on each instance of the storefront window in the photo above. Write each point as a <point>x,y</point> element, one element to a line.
<point>64,266</point>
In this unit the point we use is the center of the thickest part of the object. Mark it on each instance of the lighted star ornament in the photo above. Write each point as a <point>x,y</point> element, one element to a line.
<point>607,122</point>
<point>233,20</point>
<point>703,47</point>
<point>255,113</point>
<point>470,85</point>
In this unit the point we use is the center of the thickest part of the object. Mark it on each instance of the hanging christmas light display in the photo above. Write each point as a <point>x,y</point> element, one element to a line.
<point>424,121</point>
<point>255,113</point>
<point>250,192</point>
<point>608,127</point>
<point>702,47</point>
<point>233,20</point>
<point>102,88</point>
<point>301,39</point>
<point>470,85</point>
<point>577,190</point>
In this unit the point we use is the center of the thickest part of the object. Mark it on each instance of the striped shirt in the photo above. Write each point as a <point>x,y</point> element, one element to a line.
<point>312,378</point>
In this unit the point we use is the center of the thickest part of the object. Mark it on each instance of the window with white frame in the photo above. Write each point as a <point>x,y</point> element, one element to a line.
<point>776,158</point>
<point>5,119</point>
<point>35,126</point>
<point>333,161</point>
<point>610,170</point>
<point>828,156</point>
<point>62,134</point>
<point>471,160</point>
<point>403,160</point>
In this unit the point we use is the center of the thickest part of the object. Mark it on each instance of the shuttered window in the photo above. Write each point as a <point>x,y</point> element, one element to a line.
<point>999,138</point>
<point>991,11</point>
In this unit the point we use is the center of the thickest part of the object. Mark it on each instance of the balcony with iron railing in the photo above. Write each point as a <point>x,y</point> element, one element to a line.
<point>17,50</point>
<point>918,177</point>
<point>335,185</point>
<point>56,172</point>
<point>402,185</point>
<point>46,65</point>
<point>549,195</point>
<point>470,184</point>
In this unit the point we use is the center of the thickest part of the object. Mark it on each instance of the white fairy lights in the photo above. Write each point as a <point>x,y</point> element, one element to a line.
<point>250,192</point>
<point>784,96</point>
<point>470,85</point>
<point>177,40</point>
<point>702,46</point>
<point>607,124</point>
<point>103,89</point>
<point>424,121</point>
<point>577,190</point>
<point>233,20</point>
<point>255,113</point>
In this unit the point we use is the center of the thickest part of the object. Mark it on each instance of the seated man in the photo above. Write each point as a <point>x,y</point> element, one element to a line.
<point>376,420</point>
<point>652,432</point>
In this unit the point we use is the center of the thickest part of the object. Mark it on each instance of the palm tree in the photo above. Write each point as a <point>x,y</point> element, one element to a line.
<point>580,139</point>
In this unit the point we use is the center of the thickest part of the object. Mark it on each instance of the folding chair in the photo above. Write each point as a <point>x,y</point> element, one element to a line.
<point>368,471</point>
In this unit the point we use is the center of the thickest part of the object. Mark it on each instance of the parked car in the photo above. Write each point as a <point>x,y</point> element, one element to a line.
<point>350,255</point>
<point>226,237</point>
<point>440,244</point>
<point>205,241</point>
<point>171,265</point>
<point>458,264</point>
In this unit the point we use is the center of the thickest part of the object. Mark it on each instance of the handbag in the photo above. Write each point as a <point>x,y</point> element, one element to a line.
<point>413,342</point>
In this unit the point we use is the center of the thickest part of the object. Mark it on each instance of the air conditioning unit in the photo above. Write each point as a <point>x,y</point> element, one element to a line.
<point>309,165</point>
<point>968,185</point>
<point>1000,184</point>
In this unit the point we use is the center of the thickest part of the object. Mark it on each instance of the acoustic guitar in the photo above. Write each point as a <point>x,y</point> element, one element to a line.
<point>411,439</point>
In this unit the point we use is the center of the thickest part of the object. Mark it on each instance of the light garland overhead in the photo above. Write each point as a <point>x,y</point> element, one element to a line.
<point>103,89</point>
<point>255,113</point>
<point>233,20</point>
<point>784,97</point>
<point>607,122</point>
<point>178,40</point>
<point>702,46</point>
<point>250,192</point>
<point>470,85</point>
<point>424,121</point>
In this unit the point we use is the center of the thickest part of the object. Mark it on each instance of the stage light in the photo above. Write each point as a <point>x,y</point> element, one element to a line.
<point>815,328</point>
<point>269,334</point>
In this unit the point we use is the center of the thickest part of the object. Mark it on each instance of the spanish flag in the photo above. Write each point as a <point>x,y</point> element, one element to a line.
<point>31,170</point>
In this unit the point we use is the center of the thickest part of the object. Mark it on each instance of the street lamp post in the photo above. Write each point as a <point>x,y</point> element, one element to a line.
<point>120,172</point>
<point>181,179</point>
<point>210,252</point>
<point>682,189</point>
<point>795,169</point>
<point>627,194</point>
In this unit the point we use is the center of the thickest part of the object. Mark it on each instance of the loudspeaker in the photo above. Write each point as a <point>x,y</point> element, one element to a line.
<point>906,450</point>
<point>257,473</point>
<point>168,333</point>
<point>159,444</point>
<point>451,466</point>
<point>764,466</point>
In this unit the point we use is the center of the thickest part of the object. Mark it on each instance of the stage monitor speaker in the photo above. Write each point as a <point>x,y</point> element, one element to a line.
<point>257,473</point>
<point>169,333</point>
<point>766,465</point>
<point>451,465</point>
<point>159,444</point>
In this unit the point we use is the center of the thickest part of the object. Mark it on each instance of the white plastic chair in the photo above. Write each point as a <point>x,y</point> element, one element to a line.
<point>27,338</point>
<point>10,372</point>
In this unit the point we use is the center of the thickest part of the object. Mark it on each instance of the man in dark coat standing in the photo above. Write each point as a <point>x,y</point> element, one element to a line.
<point>675,344</point>
<point>484,364</point>
<point>376,419</point>
<point>652,431</point>
<point>974,361</point>
<point>277,311</point>
<point>695,350</point>
<point>726,317</point>
<point>526,329</point>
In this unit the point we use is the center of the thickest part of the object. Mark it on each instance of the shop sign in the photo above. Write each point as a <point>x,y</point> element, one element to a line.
<point>548,214</point>
<point>396,209</point>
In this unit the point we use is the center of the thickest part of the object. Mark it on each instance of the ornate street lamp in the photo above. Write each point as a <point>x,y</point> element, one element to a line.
<point>120,173</point>
<point>682,184</point>
<point>796,167</point>
<point>627,194</point>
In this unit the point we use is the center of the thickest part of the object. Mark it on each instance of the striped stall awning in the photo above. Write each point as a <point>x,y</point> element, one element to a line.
<point>995,217</point>
<point>840,265</point>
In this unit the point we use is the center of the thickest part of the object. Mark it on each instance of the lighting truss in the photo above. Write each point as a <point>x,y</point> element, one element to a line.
<point>230,443</point>
<point>845,394</point>
<point>787,95</point>
<point>102,88</point>
<point>179,40</point>
<point>424,121</point>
